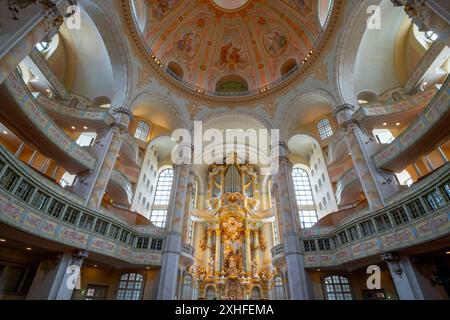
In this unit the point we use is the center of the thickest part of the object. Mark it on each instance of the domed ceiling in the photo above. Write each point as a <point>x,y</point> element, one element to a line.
<point>231,45</point>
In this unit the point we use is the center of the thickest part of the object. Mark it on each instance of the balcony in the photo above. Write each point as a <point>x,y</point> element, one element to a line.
<point>120,188</point>
<point>41,208</point>
<point>409,219</point>
<point>187,254</point>
<point>277,254</point>
<point>427,131</point>
<point>22,113</point>
<point>348,187</point>
<point>66,117</point>
<point>130,150</point>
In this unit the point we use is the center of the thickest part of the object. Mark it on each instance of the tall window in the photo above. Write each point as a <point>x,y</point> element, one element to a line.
<point>278,289</point>
<point>187,288</point>
<point>130,286</point>
<point>337,288</point>
<point>142,131</point>
<point>304,197</point>
<point>324,129</point>
<point>162,196</point>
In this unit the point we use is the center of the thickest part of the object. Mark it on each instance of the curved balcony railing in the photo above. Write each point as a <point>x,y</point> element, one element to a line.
<point>188,249</point>
<point>430,128</point>
<point>345,181</point>
<point>42,208</point>
<point>277,252</point>
<point>59,88</point>
<point>52,106</point>
<point>130,149</point>
<point>337,148</point>
<point>412,104</point>
<point>415,216</point>
<point>124,184</point>
<point>25,108</point>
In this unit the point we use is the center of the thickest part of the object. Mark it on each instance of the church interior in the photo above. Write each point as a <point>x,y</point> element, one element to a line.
<point>93,205</point>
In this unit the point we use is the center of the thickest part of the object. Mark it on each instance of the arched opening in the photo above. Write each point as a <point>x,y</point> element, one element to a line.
<point>288,66</point>
<point>232,83</point>
<point>324,10</point>
<point>365,97</point>
<point>175,69</point>
<point>101,102</point>
<point>162,197</point>
<point>211,293</point>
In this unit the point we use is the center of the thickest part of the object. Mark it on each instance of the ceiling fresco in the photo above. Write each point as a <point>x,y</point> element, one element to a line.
<point>212,41</point>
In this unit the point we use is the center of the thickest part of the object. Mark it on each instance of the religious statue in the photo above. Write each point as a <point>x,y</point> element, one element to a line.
<point>211,266</point>
<point>254,268</point>
<point>232,267</point>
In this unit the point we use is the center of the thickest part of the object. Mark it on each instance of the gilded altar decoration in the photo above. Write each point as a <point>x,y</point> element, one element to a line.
<point>234,245</point>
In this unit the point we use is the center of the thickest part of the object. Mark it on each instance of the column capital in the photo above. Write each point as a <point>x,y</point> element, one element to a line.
<point>342,113</point>
<point>78,256</point>
<point>123,116</point>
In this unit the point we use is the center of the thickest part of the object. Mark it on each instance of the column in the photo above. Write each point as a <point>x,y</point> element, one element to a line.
<point>172,249</point>
<point>33,155</point>
<point>218,251</point>
<point>429,163</point>
<point>416,168</point>
<point>248,253</point>
<point>55,171</point>
<point>57,277</point>
<point>256,238</point>
<point>442,154</point>
<point>377,186</point>
<point>208,249</point>
<point>19,150</point>
<point>404,276</point>
<point>92,185</point>
<point>19,36</point>
<point>299,285</point>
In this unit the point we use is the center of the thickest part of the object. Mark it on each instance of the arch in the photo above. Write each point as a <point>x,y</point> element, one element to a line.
<point>101,102</point>
<point>304,197</point>
<point>367,96</point>
<point>161,199</point>
<point>176,69</point>
<point>324,129</point>
<point>323,10</point>
<point>158,110</point>
<point>116,47</point>
<point>210,293</point>
<point>287,66</point>
<point>232,83</point>
<point>357,50</point>
<point>305,108</point>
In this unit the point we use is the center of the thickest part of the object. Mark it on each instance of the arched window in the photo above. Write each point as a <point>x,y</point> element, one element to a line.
<point>162,197</point>
<point>210,293</point>
<point>337,288</point>
<point>278,289</point>
<point>142,131</point>
<point>130,286</point>
<point>324,129</point>
<point>304,197</point>
<point>187,288</point>
<point>256,293</point>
